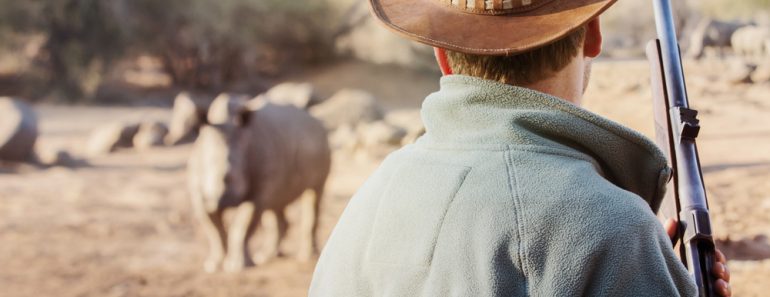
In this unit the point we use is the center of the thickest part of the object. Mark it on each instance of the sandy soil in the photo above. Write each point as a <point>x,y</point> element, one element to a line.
<point>121,226</point>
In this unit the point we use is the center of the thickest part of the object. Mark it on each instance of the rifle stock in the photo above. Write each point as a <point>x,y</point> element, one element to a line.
<point>669,206</point>
<point>677,127</point>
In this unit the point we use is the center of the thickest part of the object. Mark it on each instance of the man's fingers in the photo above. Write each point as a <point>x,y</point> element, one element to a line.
<point>720,256</point>
<point>720,267</point>
<point>670,226</point>
<point>721,271</point>
<point>723,288</point>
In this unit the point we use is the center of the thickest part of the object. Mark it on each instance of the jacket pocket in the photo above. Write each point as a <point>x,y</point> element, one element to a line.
<point>411,212</point>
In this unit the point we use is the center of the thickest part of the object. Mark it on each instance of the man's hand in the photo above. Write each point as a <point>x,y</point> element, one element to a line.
<point>720,267</point>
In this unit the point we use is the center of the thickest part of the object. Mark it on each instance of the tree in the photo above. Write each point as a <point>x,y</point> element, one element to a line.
<point>81,39</point>
<point>203,43</point>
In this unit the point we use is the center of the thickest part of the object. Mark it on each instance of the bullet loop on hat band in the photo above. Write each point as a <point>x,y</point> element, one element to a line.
<point>490,6</point>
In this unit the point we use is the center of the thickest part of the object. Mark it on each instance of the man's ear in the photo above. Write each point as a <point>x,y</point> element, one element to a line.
<point>592,46</point>
<point>443,62</point>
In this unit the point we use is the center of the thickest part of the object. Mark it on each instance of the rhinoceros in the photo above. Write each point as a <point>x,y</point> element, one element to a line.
<point>253,156</point>
<point>712,34</point>
<point>751,42</point>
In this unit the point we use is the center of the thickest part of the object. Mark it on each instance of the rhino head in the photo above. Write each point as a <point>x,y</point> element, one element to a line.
<point>224,144</point>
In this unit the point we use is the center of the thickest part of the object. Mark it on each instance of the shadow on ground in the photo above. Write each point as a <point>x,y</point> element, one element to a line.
<point>726,166</point>
<point>752,249</point>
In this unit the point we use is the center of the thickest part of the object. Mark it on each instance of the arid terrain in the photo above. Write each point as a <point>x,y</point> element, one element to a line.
<point>121,225</point>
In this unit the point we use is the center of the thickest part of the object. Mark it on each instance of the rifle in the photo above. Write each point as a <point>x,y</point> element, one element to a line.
<point>676,127</point>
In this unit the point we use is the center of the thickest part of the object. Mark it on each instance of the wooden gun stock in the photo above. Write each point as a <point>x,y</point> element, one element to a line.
<point>669,208</point>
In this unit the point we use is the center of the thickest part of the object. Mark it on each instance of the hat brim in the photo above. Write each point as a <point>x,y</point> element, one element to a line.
<point>434,23</point>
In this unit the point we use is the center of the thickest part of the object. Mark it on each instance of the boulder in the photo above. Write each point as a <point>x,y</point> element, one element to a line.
<point>301,95</point>
<point>380,133</point>
<point>110,137</point>
<point>408,119</point>
<point>767,47</point>
<point>739,72</point>
<point>185,119</point>
<point>762,73</point>
<point>412,136</point>
<point>55,157</point>
<point>348,107</point>
<point>18,130</point>
<point>150,134</point>
<point>344,138</point>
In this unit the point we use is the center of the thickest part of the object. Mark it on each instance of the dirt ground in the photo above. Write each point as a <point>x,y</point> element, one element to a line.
<point>121,225</point>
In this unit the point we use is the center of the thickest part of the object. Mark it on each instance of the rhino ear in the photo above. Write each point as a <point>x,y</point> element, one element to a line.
<point>203,117</point>
<point>250,107</point>
<point>244,117</point>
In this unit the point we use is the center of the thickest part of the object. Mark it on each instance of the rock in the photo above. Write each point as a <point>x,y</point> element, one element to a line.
<point>377,139</point>
<point>185,119</point>
<point>762,73</point>
<point>739,72</point>
<point>18,130</point>
<point>55,157</point>
<point>108,138</point>
<point>301,95</point>
<point>380,133</point>
<point>767,47</point>
<point>348,107</point>
<point>412,136</point>
<point>410,120</point>
<point>150,134</point>
<point>344,138</point>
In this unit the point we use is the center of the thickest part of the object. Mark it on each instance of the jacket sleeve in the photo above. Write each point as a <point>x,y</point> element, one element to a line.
<point>613,251</point>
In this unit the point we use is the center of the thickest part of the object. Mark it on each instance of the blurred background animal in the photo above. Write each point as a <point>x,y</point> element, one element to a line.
<point>752,42</point>
<point>712,33</point>
<point>251,157</point>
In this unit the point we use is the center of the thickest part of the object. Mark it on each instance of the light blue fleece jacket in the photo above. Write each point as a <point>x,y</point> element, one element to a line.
<point>510,192</point>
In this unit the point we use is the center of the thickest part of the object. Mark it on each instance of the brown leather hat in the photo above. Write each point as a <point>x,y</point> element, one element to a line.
<point>487,27</point>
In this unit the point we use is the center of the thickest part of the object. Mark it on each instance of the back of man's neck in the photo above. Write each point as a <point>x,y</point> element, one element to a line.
<point>567,84</point>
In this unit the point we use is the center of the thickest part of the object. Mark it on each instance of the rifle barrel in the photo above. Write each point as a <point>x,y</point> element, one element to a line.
<point>669,46</point>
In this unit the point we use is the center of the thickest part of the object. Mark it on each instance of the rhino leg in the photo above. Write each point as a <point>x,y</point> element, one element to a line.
<point>310,201</point>
<point>215,232</point>
<point>243,224</point>
<point>275,221</point>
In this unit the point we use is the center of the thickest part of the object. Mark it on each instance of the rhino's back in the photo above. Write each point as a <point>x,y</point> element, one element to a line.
<point>294,148</point>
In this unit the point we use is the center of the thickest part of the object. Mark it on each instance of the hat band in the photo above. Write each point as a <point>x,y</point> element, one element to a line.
<point>495,7</point>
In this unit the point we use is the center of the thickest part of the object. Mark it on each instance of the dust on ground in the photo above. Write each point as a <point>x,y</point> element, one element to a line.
<point>122,225</point>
